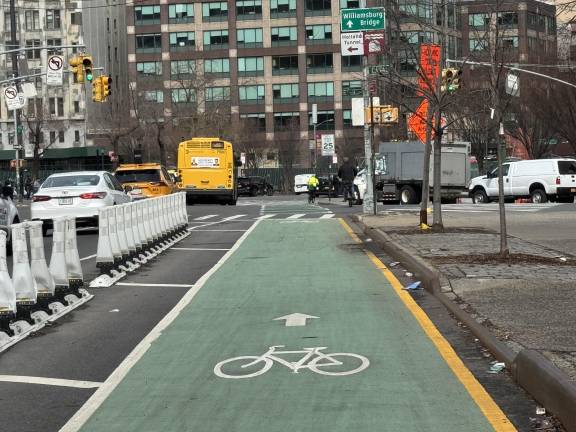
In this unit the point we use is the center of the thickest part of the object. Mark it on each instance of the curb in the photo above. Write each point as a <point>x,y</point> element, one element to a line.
<point>530,369</point>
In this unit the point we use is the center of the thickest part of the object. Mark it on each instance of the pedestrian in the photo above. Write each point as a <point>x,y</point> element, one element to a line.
<point>36,186</point>
<point>8,190</point>
<point>347,173</point>
<point>28,186</point>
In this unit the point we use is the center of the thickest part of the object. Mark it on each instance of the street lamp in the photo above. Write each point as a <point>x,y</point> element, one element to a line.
<point>315,147</point>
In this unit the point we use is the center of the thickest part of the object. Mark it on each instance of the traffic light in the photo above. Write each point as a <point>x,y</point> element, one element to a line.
<point>446,79</point>
<point>455,83</point>
<point>97,90</point>
<point>87,64</point>
<point>106,80</point>
<point>77,69</point>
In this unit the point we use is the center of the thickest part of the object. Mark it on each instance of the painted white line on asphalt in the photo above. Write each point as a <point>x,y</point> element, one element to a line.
<point>218,230</point>
<point>88,257</point>
<point>100,395</point>
<point>136,284</point>
<point>233,217</point>
<point>296,216</point>
<point>197,249</point>
<point>268,216</point>
<point>49,381</point>
<point>327,216</point>
<point>204,217</point>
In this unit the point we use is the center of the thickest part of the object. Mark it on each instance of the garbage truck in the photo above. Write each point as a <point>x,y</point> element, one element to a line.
<point>399,166</point>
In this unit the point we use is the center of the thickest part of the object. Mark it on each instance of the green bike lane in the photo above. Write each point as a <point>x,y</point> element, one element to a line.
<point>280,268</point>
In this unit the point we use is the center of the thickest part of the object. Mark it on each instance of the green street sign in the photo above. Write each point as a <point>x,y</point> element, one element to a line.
<point>362,19</point>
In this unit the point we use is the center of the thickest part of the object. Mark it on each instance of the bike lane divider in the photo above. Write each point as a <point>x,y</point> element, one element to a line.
<point>296,330</point>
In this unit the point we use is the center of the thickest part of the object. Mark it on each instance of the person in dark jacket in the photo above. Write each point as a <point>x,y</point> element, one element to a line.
<point>347,173</point>
<point>8,190</point>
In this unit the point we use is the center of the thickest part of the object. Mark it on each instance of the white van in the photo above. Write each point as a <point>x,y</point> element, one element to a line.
<point>301,183</point>
<point>540,179</point>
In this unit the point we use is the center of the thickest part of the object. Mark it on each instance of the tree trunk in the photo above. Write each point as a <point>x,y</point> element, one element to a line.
<point>425,198</point>
<point>504,251</point>
<point>161,146</point>
<point>438,224</point>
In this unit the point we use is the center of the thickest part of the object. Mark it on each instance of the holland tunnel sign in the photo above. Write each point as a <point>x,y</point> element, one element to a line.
<point>362,19</point>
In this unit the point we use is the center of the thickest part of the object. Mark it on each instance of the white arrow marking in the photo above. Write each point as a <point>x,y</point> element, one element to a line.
<point>295,319</point>
<point>349,24</point>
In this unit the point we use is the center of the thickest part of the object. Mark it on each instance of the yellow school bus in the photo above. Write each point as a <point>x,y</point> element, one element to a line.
<point>206,169</point>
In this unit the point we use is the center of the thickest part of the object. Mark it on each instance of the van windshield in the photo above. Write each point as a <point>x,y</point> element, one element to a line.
<point>567,167</point>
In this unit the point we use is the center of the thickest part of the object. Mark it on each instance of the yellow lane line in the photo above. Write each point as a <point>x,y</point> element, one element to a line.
<point>489,408</point>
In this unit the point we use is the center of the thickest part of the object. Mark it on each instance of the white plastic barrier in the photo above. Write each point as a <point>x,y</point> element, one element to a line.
<point>7,291</point>
<point>40,271</point>
<point>73,264</point>
<point>104,255</point>
<point>121,231</point>
<point>128,223</point>
<point>113,233</point>
<point>22,279</point>
<point>58,267</point>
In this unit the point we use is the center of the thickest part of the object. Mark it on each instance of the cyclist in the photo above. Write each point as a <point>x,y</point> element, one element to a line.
<point>347,172</point>
<point>312,188</point>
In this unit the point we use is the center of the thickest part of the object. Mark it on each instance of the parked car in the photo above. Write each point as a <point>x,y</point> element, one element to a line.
<point>541,180</point>
<point>301,183</point>
<point>146,180</point>
<point>254,186</point>
<point>8,216</point>
<point>326,186</point>
<point>79,194</point>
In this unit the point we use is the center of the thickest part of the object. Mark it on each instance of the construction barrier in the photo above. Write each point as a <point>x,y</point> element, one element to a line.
<point>130,235</point>
<point>37,293</point>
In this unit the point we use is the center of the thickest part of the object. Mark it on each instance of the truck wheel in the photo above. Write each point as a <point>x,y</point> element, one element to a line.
<point>479,197</point>
<point>407,195</point>
<point>539,196</point>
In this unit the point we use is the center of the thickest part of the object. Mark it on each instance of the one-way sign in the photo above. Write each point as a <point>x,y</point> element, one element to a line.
<point>352,43</point>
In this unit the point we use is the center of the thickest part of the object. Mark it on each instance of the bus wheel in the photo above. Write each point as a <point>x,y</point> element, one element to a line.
<point>232,202</point>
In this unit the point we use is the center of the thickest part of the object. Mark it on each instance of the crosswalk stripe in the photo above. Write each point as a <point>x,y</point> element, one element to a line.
<point>296,216</point>
<point>267,216</point>
<point>327,216</point>
<point>233,217</point>
<point>205,217</point>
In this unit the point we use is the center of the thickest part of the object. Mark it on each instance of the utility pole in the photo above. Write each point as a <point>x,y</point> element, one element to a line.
<point>17,139</point>
<point>368,203</point>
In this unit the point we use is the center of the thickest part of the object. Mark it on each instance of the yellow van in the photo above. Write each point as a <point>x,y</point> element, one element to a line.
<point>146,180</point>
<point>206,169</point>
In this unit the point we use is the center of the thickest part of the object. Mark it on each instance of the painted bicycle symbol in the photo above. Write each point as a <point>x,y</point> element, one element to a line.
<point>333,364</point>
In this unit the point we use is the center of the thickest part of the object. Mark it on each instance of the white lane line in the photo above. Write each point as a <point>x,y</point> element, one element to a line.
<point>88,257</point>
<point>268,216</point>
<point>85,412</point>
<point>49,381</point>
<point>218,230</point>
<point>233,217</point>
<point>296,216</point>
<point>205,217</point>
<point>136,284</point>
<point>197,249</point>
<point>327,216</point>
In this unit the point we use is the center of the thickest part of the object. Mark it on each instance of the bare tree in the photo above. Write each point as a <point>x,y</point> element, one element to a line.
<point>288,152</point>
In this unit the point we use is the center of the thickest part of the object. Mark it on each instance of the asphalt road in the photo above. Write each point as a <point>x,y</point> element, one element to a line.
<point>90,343</point>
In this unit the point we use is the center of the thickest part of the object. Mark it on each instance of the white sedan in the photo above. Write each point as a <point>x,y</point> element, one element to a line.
<point>78,194</point>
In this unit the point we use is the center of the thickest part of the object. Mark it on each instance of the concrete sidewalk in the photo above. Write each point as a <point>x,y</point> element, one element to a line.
<point>526,304</point>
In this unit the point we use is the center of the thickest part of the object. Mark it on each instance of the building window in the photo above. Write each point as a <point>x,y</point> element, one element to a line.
<point>61,136</point>
<point>147,15</point>
<point>149,68</point>
<point>56,106</point>
<point>183,96</point>
<point>217,67</point>
<point>215,94</point>
<point>52,137</point>
<point>76,107</point>
<point>508,19</point>
<point>349,4</point>
<point>182,68</point>
<point>479,21</point>
<point>509,42</point>
<point>214,11</point>
<point>156,96</point>
<point>53,19</point>
<point>286,120</point>
<point>251,94</point>
<point>248,9</point>
<point>54,42</point>
<point>536,21</point>
<point>249,38</point>
<point>347,118</point>
<point>285,93</point>
<point>351,89</point>
<point>351,63</point>
<point>250,66</point>
<point>319,34</point>
<point>255,122</point>
<point>77,136</point>
<point>477,44</point>
<point>182,41</point>
<point>282,8</point>
<point>551,25</point>
<point>35,107</point>
<point>319,63</point>
<point>285,65</point>
<point>149,43</point>
<point>8,24</point>
<point>215,39</point>
<point>325,121</point>
<point>321,92</point>
<point>284,36</point>
<point>181,13</point>
<point>318,7</point>
<point>32,20</point>
<point>33,54</point>
<point>76,18</point>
